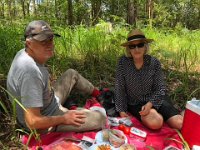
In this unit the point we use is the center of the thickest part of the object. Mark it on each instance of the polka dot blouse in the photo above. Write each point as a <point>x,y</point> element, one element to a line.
<point>134,86</point>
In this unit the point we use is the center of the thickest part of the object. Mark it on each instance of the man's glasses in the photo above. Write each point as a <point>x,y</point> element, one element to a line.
<point>133,46</point>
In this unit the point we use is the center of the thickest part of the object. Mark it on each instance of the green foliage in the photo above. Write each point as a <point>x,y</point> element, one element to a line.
<point>88,50</point>
<point>178,52</point>
<point>10,43</point>
<point>94,52</point>
<point>12,117</point>
<point>164,13</point>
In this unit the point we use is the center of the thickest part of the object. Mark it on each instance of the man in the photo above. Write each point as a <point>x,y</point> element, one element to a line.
<point>28,82</point>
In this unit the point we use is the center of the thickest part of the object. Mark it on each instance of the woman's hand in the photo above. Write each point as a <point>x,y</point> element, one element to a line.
<point>73,117</point>
<point>146,109</point>
<point>123,114</point>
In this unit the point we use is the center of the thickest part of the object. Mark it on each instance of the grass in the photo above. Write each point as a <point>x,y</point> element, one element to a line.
<point>94,52</point>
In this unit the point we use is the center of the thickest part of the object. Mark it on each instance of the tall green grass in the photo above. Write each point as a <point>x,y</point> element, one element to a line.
<point>10,41</point>
<point>89,50</point>
<point>178,52</point>
<point>94,52</point>
<point>10,111</point>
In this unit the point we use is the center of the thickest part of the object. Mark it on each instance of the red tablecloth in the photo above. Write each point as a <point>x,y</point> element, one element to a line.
<point>157,139</point>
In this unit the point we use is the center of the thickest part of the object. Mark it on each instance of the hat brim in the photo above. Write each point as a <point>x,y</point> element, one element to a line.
<point>45,35</point>
<point>139,39</point>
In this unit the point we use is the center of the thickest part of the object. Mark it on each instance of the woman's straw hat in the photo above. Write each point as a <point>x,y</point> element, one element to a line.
<point>136,35</point>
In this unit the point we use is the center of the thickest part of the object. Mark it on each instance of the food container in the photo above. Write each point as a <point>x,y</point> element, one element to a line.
<point>138,134</point>
<point>127,147</point>
<point>116,138</point>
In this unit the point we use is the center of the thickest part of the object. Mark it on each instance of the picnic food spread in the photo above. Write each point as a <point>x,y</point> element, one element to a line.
<point>104,147</point>
<point>65,145</point>
<point>115,137</point>
<point>127,147</point>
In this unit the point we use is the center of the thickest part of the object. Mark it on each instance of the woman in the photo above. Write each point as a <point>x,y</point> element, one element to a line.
<point>139,86</point>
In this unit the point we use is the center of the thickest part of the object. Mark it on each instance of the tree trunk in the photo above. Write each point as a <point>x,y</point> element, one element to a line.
<point>113,6</point>
<point>70,13</point>
<point>131,12</point>
<point>46,9</point>
<point>9,8</point>
<point>23,8</point>
<point>28,7</point>
<point>56,9</point>
<point>150,7</point>
<point>34,8</point>
<point>14,9</point>
<point>113,9</point>
<point>2,11</point>
<point>79,16</point>
<point>96,10</point>
<point>199,16</point>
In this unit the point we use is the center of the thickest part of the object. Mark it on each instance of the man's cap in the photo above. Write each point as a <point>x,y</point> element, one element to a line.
<point>136,35</point>
<point>39,30</point>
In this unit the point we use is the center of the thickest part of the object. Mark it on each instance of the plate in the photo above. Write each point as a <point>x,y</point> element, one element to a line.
<point>99,141</point>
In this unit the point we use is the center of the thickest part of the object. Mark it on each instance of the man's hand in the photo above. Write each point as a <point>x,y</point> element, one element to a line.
<point>123,114</point>
<point>74,117</point>
<point>146,109</point>
<point>35,120</point>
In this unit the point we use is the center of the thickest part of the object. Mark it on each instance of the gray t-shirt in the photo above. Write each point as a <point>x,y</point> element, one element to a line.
<point>28,82</point>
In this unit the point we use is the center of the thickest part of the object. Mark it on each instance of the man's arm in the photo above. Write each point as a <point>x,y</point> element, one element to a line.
<point>35,120</point>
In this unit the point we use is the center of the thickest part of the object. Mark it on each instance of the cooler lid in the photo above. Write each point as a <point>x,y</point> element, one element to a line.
<point>194,105</point>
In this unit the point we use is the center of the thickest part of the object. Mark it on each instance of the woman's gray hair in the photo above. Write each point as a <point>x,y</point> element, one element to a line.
<point>128,53</point>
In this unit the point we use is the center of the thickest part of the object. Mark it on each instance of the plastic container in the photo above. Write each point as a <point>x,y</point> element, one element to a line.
<point>126,121</point>
<point>195,147</point>
<point>138,134</point>
<point>171,148</point>
<point>128,147</point>
<point>116,138</point>
<point>191,123</point>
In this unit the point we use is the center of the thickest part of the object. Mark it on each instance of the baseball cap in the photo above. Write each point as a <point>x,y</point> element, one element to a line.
<point>39,30</point>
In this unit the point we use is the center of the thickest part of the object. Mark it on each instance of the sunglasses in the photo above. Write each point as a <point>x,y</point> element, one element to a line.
<point>133,46</point>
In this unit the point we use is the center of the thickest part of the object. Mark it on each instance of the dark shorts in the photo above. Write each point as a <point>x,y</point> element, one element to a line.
<point>167,110</point>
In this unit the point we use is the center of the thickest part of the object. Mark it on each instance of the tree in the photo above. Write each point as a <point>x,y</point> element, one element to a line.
<point>131,12</point>
<point>2,9</point>
<point>23,7</point>
<point>9,4</point>
<point>157,13</point>
<point>149,9</point>
<point>34,8</point>
<point>70,13</point>
<point>96,10</point>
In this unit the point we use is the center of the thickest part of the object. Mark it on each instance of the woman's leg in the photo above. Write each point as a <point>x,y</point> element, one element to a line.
<point>153,120</point>
<point>69,80</point>
<point>175,122</point>
<point>171,115</point>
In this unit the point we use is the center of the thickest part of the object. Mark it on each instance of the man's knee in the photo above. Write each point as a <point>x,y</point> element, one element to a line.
<point>70,72</point>
<point>95,119</point>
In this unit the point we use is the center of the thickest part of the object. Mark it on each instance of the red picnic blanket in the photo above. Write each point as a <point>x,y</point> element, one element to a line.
<point>158,140</point>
